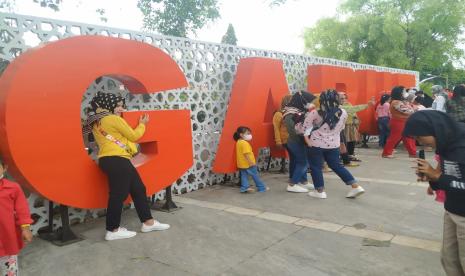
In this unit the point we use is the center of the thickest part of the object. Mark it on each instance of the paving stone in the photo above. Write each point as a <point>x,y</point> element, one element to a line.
<point>243,211</point>
<point>321,225</point>
<point>434,246</point>
<point>201,203</point>
<point>278,217</point>
<point>364,233</point>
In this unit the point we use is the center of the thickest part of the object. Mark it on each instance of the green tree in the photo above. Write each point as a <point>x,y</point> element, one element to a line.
<point>419,35</point>
<point>178,17</point>
<point>230,36</point>
<point>52,4</point>
<point>276,3</point>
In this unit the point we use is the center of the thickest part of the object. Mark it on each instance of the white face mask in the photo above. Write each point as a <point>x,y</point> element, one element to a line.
<point>405,95</point>
<point>247,137</point>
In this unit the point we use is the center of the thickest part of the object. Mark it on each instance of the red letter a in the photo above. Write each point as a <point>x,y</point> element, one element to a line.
<point>258,88</point>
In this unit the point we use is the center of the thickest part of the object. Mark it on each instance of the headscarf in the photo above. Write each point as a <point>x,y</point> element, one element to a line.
<point>410,98</point>
<point>329,107</point>
<point>106,101</point>
<point>449,134</point>
<point>397,93</point>
<point>285,101</point>
<point>103,104</point>
<point>459,93</point>
<point>437,89</point>
<point>298,102</point>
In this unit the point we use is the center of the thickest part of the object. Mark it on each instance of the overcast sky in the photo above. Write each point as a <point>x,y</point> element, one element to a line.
<point>256,24</point>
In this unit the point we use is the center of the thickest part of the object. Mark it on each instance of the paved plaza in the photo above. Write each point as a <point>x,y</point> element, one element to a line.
<point>394,229</point>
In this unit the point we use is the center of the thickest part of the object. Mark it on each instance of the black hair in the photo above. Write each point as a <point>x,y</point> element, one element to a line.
<point>329,107</point>
<point>419,100</point>
<point>240,130</point>
<point>384,98</point>
<point>459,92</point>
<point>300,99</point>
<point>396,93</point>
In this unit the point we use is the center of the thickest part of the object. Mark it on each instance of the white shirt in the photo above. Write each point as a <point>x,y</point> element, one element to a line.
<point>439,103</point>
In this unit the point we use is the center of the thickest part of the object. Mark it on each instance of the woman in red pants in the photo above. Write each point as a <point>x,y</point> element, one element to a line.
<point>400,111</point>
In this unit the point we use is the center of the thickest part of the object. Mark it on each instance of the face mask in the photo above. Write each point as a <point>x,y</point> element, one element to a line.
<point>405,95</point>
<point>248,137</point>
<point>1,176</point>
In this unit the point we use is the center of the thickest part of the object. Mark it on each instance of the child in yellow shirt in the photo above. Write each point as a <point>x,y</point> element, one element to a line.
<point>246,161</point>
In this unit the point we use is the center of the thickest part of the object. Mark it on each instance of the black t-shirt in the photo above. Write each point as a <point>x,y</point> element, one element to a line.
<point>452,181</point>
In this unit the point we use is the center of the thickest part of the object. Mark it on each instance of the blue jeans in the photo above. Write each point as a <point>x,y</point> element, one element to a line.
<point>253,172</point>
<point>383,127</point>
<point>298,153</point>
<point>316,156</point>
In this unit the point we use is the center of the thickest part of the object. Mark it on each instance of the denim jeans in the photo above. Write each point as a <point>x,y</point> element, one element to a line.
<point>253,172</point>
<point>298,151</point>
<point>383,127</point>
<point>292,165</point>
<point>316,156</point>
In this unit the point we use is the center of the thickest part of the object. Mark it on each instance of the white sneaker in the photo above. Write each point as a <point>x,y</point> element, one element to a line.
<point>355,192</point>
<point>122,233</point>
<point>316,194</point>
<point>309,186</point>
<point>296,189</point>
<point>157,226</point>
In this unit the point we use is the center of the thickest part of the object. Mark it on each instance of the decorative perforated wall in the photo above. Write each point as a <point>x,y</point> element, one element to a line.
<point>209,67</point>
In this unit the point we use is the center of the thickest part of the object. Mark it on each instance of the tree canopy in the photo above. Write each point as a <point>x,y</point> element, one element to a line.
<point>421,35</point>
<point>178,17</point>
<point>230,36</point>
<point>52,4</point>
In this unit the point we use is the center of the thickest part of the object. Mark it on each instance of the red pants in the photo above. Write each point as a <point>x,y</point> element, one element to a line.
<point>397,126</point>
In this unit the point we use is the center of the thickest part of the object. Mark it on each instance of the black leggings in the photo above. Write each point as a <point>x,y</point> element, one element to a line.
<point>123,179</point>
<point>351,148</point>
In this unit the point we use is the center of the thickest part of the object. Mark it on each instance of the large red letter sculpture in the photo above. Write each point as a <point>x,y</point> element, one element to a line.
<point>360,86</point>
<point>258,88</point>
<point>40,101</point>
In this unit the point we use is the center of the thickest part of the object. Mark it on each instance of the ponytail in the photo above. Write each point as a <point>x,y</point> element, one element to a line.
<point>240,130</point>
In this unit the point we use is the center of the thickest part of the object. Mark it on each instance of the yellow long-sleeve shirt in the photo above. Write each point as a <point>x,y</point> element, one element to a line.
<point>120,130</point>
<point>280,131</point>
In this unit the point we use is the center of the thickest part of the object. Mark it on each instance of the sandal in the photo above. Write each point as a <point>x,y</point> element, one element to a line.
<point>355,159</point>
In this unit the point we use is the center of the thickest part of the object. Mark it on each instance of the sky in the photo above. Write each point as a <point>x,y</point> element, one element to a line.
<point>256,24</point>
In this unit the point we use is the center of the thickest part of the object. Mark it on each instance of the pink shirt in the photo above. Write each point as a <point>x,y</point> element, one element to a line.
<point>383,110</point>
<point>324,137</point>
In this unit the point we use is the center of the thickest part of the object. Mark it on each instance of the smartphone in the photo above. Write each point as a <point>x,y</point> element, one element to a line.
<point>421,155</point>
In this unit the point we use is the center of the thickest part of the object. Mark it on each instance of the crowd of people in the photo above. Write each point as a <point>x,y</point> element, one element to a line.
<point>320,131</point>
<point>313,129</point>
<point>313,135</point>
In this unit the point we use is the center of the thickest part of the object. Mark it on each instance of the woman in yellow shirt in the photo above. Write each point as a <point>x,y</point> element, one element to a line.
<point>281,135</point>
<point>116,141</point>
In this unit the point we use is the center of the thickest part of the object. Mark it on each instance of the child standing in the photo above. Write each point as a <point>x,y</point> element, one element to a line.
<point>246,160</point>
<point>14,223</point>
<point>383,116</point>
